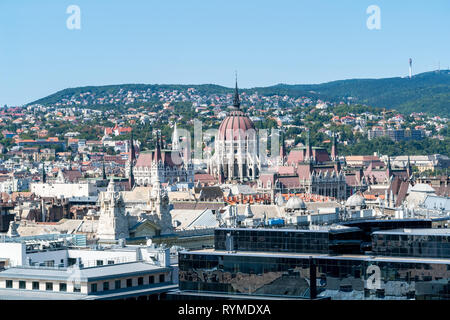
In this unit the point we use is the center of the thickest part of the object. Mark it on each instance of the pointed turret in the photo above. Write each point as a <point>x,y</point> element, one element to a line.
<point>236,100</point>
<point>389,169</point>
<point>409,168</point>
<point>103,169</point>
<point>131,177</point>
<point>334,148</point>
<point>158,147</point>
<point>309,154</point>
<point>132,151</point>
<point>44,175</point>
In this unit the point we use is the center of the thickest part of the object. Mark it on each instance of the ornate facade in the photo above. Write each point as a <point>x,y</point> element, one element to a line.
<point>112,223</point>
<point>115,222</point>
<point>168,165</point>
<point>309,170</point>
<point>236,154</point>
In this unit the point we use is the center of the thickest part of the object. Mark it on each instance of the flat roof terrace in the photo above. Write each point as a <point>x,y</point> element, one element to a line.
<point>419,232</point>
<point>83,274</point>
<point>359,257</point>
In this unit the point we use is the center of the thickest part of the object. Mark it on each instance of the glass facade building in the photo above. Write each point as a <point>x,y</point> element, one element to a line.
<point>257,266</point>
<point>329,241</point>
<point>433,243</point>
<point>355,278</point>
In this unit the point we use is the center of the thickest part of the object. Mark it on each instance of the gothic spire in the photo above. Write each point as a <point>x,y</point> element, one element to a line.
<point>132,152</point>
<point>334,148</point>
<point>44,175</point>
<point>131,177</point>
<point>158,147</point>
<point>309,153</point>
<point>236,100</point>
<point>389,168</point>
<point>103,169</point>
<point>409,168</point>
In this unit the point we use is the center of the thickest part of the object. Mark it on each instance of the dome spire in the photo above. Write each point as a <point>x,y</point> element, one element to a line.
<point>236,101</point>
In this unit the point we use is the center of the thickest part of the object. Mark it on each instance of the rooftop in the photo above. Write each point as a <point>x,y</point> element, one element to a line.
<point>322,229</point>
<point>428,232</point>
<point>86,274</point>
<point>319,256</point>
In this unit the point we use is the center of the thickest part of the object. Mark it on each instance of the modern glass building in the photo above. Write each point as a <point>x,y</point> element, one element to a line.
<point>287,240</point>
<point>433,243</point>
<point>265,263</point>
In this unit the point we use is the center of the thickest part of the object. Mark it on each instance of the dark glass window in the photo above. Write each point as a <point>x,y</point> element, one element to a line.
<point>140,281</point>
<point>151,279</point>
<point>118,284</point>
<point>22,285</point>
<point>161,278</point>
<point>63,287</point>
<point>49,286</point>
<point>9,283</point>
<point>35,285</point>
<point>105,286</point>
<point>93,287</point>
<point>129,283</point>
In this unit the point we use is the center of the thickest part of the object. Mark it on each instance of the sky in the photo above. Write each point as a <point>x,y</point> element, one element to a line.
<point>206,41</point>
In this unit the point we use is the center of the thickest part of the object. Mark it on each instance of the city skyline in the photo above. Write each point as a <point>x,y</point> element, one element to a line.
<point>200,43</point>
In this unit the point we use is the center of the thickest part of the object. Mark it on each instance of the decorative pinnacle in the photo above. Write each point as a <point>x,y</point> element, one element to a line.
<point>236,101</point>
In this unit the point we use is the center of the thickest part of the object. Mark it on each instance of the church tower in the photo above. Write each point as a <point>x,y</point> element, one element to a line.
<point>112,224</point>
<point>159,202</point>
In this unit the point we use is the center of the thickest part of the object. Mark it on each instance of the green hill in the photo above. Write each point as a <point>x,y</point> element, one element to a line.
<point>426,92</point>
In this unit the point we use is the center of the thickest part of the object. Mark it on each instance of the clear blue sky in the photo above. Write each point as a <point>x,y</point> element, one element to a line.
<point>205,41</point>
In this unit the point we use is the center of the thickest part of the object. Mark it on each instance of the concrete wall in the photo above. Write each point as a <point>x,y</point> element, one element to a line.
<point>55,256</point>
<point>15,252</point>
<point>123,281</point>
<point>90,257</point>
<point>68,190</point>
<point>42,285</point>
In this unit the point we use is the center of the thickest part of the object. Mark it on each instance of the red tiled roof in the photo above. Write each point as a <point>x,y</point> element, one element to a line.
<point>168,158</point>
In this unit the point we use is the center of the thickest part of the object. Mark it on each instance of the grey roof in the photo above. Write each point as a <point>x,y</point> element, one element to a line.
<point>422,187</point>
<point>84,199</point>
<point>323,229</point>
<point>205,220</point>
<point>210,192</point>
<point>17,294</point>
<point>242,189</point>
<point>86,274</point>
<point>427,232</point>
<point>358,257</point>
<point>436,202</point>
